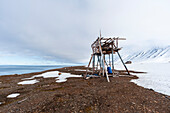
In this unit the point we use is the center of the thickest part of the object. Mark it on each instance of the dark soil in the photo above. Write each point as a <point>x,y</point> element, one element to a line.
<point>94,95</point>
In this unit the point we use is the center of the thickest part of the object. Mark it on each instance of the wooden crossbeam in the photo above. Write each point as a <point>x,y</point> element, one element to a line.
<point>114,38</point>
<point>106,39</point>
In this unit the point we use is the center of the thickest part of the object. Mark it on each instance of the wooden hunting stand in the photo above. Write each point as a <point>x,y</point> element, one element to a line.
<point>102,47</point>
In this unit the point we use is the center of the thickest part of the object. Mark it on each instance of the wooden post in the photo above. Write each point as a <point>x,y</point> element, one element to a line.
<point>123,63</point>
<point>117,42</point>
<point>97,62</point>
<point>100,65</point>
<point>100,62</point>
<point>104,57</point>
<point>105,69</point>
<point>89,64</point>
<point>93,63</point>
<point>104,65</point>
<point>109,60</point>
<point>112,58</point>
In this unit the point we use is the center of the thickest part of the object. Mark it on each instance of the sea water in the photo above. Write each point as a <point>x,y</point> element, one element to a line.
<point>21,69</point>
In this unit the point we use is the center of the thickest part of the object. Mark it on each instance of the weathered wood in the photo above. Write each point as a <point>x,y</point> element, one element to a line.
<point>100,48</point>
<point>90,60</point>
<point>109,61</point>
<point>100,61</point>
<point>106,39</point>
<point>114,38</point>
<point>123,63</point>
<point>104,64</point>
<point>88,65</point>
<point>112,58</point>
<point>93,63</point>
<point>105,46</point>
<point>117,43</point>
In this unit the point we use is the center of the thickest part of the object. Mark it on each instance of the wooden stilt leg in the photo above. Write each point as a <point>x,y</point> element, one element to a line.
<point>90,60</point>
<point>104,65</point>
<point>100,62</point>
<point>112,60</point>
<point>97,62</point>
<point>88,65</point>
<point>123,63</point>
<point>93,63</point>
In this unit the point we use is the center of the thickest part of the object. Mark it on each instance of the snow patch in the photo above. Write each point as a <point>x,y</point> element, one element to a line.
<point>28,82</point>
<point>60,80</point>
<point>63,77</point>
<point>80,70</point>
<point>157,77</point>
<point>14,95</point>
<point>52,74</point>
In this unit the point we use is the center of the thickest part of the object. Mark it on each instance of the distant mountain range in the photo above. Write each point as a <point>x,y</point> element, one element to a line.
<point>155,54</point>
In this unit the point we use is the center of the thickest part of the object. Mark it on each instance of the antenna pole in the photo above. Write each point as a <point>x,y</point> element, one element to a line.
<point>100,34</point>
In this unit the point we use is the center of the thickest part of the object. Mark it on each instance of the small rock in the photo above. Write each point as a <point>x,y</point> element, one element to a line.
<point>128,62</point>
<point>151,89</point>
<point>133,103</point>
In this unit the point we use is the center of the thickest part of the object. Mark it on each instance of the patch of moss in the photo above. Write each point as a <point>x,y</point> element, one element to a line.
<point>88,109</point>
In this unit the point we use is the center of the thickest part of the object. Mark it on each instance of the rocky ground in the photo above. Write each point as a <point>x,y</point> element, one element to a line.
<point>94,95</point>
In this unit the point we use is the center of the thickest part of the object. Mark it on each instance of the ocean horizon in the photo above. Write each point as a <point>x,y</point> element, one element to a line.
<point>22,69</point>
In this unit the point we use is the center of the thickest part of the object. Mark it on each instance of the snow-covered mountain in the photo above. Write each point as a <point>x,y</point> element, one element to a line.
<point>155,54</point>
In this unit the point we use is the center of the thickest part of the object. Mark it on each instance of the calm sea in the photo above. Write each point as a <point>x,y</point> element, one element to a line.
<point>21,69</point>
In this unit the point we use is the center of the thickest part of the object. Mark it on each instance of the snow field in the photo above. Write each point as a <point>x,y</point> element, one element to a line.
<point>157,77</point>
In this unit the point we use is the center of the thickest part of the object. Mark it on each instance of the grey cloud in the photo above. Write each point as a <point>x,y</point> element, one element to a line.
<point>63,30</point>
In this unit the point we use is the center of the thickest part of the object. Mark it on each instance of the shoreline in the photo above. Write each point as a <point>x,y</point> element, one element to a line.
<point>77,94</point>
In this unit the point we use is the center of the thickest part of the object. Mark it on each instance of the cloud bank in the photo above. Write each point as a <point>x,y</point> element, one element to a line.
<point>63,30</point>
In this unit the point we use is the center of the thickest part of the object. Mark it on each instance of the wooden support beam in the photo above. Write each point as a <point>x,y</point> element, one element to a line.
<point>100,62</point>
<point>93,63</point>
<point>123,63</point>
<point>90,60</point>
<point>114,38</point>
<point>112,58</point>
<point>97,62</point>
<point>104,68</point>
<point>109,61</point>
<point>88,65</point>
<point>117,43</point>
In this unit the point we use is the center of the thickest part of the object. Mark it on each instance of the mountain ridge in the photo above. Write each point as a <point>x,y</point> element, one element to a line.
<point>155,54</point>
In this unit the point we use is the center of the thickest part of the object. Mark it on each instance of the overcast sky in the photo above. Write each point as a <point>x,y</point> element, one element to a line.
<point>51,31</point>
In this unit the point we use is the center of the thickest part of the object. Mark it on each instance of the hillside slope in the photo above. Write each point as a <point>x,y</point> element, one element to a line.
<point>155,54</point>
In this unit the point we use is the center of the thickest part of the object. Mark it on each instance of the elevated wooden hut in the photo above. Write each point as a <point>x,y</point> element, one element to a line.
<point>101,48</point>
